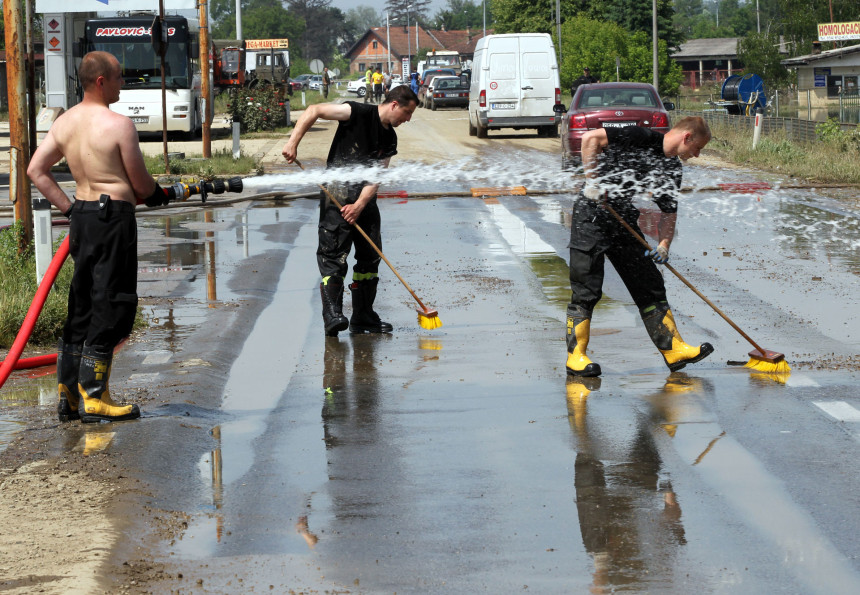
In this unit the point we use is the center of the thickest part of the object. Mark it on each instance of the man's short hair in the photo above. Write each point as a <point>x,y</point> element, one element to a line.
<point>586,69</point>
<point>402,94</point>
<point>93,65</point>
<point>695,125</point>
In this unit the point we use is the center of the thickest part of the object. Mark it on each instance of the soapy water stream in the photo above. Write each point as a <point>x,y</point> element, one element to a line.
<point>792,216</point>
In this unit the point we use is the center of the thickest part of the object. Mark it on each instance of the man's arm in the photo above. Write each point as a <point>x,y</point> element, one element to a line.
<point>326,111</point>
<point>142,183</point>
<point>593,143</point>
<point>39,172</point>
<point>666,229</point>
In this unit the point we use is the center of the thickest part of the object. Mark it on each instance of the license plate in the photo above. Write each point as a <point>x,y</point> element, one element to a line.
<point>503,105</point>
<point>618,124</point>
<point>140,119</point>
<point>452,94</point>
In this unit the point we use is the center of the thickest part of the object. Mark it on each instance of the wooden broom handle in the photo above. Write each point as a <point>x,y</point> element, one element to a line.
<point>683,280</point>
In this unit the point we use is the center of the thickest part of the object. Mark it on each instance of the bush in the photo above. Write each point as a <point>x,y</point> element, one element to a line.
<point>18,272</point>
<point>831,131</point>
<point>261,108</point>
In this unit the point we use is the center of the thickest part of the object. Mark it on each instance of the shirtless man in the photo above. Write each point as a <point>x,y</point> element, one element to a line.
<point>102,150</point>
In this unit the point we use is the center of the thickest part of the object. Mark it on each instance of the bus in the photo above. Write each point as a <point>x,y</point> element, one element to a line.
<point>129,39</point>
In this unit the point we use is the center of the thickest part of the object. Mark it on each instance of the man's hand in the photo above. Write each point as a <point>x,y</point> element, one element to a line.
<point>660,254</point>
<point>592,190</point>
<point>289,152</point>
<point>351,212</point>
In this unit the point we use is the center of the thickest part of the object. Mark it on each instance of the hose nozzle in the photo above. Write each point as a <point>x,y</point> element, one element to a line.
<point>182,191</point>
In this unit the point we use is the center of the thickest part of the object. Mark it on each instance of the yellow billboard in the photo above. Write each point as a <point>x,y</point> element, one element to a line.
<point>265,44</point>
<point>838,31</point>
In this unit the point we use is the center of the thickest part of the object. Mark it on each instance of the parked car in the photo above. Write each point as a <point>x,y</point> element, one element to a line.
<point>315,82</point>
<point>427,77</point>
<point>605,105</point>
<point>449,91</point>
<point>358,86</point>
<point>296,85</point>
<point>303,79</point>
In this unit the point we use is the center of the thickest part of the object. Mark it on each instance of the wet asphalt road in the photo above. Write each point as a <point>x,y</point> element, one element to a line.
<point>463,460</point>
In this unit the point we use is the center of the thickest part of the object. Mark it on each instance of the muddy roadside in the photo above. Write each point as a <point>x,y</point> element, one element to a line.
<point>66,497</point>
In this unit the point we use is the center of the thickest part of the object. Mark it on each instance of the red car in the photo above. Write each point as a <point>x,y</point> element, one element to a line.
<point>605,105</point>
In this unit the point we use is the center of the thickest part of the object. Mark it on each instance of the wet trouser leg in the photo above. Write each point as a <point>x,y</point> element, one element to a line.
<point>103,292</point>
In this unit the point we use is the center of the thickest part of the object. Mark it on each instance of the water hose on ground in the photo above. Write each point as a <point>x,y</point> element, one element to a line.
<point>33,313</point>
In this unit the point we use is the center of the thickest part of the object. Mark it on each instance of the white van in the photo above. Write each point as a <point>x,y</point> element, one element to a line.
<point>515,84</point>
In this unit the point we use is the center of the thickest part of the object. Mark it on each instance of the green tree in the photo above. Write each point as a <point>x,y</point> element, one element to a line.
<point>759,53</point>
<point>261,19</point>
<point>324,25</point>
<point>596,44</point>
<point>460,14</point>
<point>403,11</point>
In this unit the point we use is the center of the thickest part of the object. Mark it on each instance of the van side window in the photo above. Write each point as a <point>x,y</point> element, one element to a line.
<point>536,65</point>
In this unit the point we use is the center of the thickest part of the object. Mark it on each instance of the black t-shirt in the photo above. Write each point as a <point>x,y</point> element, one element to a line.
<point>361,140</point>
<point>634,164</point>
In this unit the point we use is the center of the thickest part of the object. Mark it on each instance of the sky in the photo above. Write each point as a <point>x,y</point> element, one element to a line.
<point>379,5</point>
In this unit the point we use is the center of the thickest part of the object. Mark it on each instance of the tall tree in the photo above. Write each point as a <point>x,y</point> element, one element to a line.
<point>261,19</point>
<point>759,53</point>
<point>324,25</point>
<point>403,11</point>
<point>461,14</point>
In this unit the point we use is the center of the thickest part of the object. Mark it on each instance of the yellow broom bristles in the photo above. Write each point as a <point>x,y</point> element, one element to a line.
<point>761,365</point>
<point>429,320</point>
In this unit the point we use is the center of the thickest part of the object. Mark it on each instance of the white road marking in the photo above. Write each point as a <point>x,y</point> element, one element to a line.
<point>157,357</point>
<point>839,410</point>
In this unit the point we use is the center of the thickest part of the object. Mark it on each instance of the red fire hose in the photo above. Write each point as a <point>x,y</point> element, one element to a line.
<point>11,362</point>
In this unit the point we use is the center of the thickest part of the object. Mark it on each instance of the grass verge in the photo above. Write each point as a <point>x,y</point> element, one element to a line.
<point>825,160</point>
<point>221,163</point>
<point>18,272</point>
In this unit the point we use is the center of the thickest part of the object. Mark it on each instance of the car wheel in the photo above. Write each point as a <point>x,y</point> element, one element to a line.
<point>362,91</point>
<point>481,131</point>
<point>472,130</point>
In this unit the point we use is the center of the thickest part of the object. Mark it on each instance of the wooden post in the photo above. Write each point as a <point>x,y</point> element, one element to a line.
<point>19,136</point>
<point>205,88</point>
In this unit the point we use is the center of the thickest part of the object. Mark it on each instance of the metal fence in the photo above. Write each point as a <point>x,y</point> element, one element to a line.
<point>795,130</point>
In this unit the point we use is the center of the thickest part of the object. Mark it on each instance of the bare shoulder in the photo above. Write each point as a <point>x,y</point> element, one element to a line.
<point>332,111</point>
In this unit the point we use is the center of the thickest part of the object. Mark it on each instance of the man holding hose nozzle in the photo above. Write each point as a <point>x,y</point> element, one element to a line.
<point>104,157</point>
<point>619,165</point>
<point>365,137</point>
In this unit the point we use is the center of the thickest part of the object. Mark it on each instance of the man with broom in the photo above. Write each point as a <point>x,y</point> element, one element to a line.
<point>621,164</point>
<point>365,136</point>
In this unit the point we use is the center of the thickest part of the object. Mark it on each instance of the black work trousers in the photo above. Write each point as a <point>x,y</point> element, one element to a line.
<point>103,293</point>
<point>337,237</point>
<point>596,236</point>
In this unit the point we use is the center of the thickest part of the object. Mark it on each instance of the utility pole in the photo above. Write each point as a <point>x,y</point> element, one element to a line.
<point>204,87</point>
<point>654,43</point>
<point>31,80</point>
<point>19,143</point>
<point>239,19</point>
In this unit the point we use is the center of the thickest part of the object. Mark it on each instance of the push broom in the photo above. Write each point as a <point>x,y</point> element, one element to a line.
<point>428,318</point>
<point>762,360</point>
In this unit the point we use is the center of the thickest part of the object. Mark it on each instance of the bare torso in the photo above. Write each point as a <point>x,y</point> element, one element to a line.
<point>91,138</point>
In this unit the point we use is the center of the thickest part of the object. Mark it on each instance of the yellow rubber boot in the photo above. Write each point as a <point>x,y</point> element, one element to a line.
<point>663,331</point>
<point>578,334</point>
<point>96,403</point>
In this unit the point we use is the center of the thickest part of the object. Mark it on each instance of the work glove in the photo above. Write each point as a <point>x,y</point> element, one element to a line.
<point>158,197</point>
<point>592,190</point>
<point>660,255</point>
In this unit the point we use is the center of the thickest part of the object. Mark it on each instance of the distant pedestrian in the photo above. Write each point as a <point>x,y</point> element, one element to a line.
<point>386,82</point>
<point>585,79</point>
<point>377,85</point>
<point>368,85</point>
<point>326,81</point>
<point>413,82</point>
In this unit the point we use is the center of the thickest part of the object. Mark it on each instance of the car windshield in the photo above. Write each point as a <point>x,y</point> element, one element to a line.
<point>446,83</point>
<point>617,98</point>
